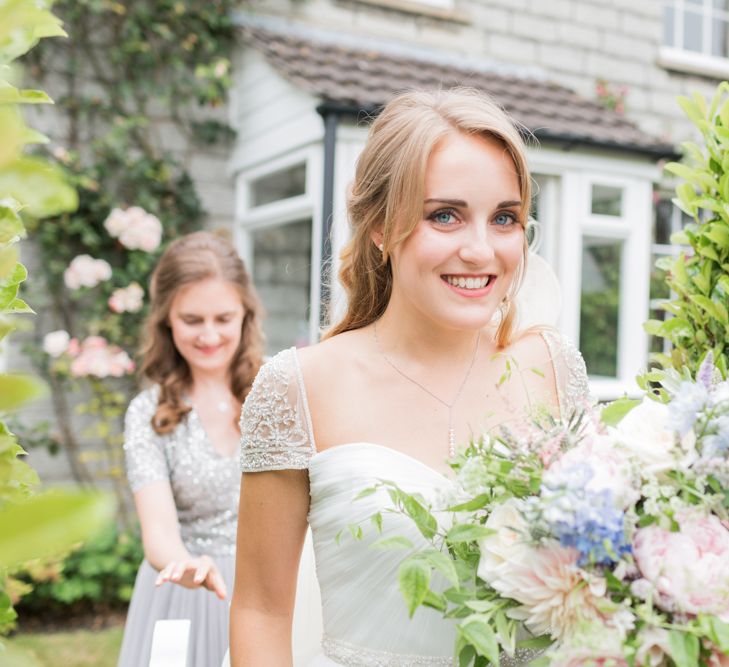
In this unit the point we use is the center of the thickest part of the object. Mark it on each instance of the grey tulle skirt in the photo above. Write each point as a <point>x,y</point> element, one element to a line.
<point>208,616</point>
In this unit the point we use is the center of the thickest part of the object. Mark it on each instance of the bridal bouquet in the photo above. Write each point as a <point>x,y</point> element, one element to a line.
<point>605,536</point>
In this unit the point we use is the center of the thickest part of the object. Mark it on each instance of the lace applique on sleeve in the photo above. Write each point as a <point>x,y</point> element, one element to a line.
<point>143,448</point>
<point>275,422</point>
<point>570,374</point>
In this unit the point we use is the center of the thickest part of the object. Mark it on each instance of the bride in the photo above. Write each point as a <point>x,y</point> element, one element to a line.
<point>438,210</point>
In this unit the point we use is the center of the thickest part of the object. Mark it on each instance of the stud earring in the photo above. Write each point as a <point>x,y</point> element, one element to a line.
<point>381,247</point>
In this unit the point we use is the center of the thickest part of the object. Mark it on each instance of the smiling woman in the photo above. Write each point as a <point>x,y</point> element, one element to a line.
<point>419,362</point>
<point>203,347</point>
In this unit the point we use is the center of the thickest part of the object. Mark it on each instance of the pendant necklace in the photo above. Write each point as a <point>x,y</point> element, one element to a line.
<point>449,406</point>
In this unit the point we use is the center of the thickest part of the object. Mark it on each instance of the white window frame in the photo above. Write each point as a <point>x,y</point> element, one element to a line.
<point>250,219</point>
<point>568,218</point>
<point>675,56</point>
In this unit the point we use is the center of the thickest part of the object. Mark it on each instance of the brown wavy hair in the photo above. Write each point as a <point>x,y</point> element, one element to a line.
<point>388,189</point>
<point>188,260</point>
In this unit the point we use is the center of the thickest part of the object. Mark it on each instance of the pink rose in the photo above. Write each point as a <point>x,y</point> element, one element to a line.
<point>96,357</point>
<point>127,299</point>
<point>135,228</point>
<point>85,271</point>
<point>688,568</point>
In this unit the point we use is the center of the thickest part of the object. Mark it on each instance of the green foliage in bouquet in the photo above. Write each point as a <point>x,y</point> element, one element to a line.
<point>95,577</point>
<point>127,63</point>
<point>699,278</point>
<point>32,525</point>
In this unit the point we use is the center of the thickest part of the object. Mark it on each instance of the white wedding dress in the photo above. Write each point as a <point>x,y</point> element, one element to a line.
<point>365,621</point>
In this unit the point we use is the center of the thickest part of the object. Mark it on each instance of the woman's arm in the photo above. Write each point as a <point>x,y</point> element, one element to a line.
<point>163,546</point>
<point>272,522</point>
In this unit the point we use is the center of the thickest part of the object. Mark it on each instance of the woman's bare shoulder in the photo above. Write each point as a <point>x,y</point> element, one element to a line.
<point>332,356</point>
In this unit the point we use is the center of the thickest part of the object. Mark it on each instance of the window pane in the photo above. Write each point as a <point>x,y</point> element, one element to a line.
<point>692,31</point>
<point>607,200</point>
<point>720,30</point>
<point>669,17</point>
<point>599,306</point>
<point>656,343</point>
<point>282,276</point>
<point>662,223</point>
<point>283,184</point>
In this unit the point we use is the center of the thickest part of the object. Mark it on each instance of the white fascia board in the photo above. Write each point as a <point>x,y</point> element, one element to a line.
<point>551,161</point>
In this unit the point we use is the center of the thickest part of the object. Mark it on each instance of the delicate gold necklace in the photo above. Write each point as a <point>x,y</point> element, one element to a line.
<point>449,406</point>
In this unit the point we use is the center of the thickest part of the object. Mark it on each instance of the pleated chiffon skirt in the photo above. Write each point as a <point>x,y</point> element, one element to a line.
<point>208,617</point>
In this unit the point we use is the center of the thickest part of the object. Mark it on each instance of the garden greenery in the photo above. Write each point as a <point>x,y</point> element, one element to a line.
<point>130,67</point>
<point>699,276</point>
<point>43,524</point>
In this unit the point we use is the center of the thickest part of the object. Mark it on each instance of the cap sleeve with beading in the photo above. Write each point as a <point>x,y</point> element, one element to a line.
<point>143,448</point>
<point>275,425</point>
<point>570,374</point>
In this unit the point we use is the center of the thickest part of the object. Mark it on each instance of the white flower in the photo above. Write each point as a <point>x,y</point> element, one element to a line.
<point>55,343</point>
<point>645,432</point>
<point>135,228</point>
<point>85,271</point>
<point>509,539</point>
<point>127,299</point>
<point>115,222</point>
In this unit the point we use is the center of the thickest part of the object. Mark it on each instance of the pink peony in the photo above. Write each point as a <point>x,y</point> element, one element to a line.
<point>99,359</point>
<point>56,343</point>
<point>688,568</point>
<point>85,271</point>
<point>127,299</point>
<point>135,228</point>
<point>554,592</point>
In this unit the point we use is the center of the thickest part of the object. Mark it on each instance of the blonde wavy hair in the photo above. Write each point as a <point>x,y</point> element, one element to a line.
<point>188,260</point>
<point>388,190</point>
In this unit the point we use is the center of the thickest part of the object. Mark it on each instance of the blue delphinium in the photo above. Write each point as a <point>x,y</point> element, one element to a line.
<point>585,520</point>
<point>690,400</point>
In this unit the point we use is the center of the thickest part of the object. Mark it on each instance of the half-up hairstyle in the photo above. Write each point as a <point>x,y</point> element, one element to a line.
<point>188,260</point>
<point>388,190</point>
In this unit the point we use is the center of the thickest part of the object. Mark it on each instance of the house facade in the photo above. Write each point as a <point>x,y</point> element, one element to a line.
<point>594,82</point>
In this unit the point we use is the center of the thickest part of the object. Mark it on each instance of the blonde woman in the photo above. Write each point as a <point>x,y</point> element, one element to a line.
<point>203,347</point>
<point>438,210</point>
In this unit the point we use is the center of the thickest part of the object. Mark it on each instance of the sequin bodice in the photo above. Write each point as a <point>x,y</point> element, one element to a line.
<point>205,485</point>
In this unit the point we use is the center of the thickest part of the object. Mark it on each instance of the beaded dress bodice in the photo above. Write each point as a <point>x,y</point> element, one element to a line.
<point>205,485</point>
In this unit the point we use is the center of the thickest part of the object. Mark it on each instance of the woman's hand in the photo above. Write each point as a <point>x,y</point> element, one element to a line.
<point>194,572</point>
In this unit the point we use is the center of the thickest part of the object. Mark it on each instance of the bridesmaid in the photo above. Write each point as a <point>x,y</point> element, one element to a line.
<point>202,348</point>
<point>438,211</point>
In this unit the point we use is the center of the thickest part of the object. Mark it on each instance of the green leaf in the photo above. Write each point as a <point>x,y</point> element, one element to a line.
<point>11,95</point>
<point>365,492</point>
<point>683,648</point>
<point>414,579</point>
<point>435,601</point>
<point>443,564</point>
<point>39,185</point>
<point>477,632</point>
<point>536,643</point>
<point>16,389</point>
<point>719,633</point>
<point>394,542</point>
<point>464,532</point>
<point>48,524</point>
<point>11,226</point>
<point>475,504</point>
<point>19,306</point>
<point>423,519</point>
<point>614,412</point>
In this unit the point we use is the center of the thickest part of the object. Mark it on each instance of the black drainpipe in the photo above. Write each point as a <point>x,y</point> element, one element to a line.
<point>330,115</point>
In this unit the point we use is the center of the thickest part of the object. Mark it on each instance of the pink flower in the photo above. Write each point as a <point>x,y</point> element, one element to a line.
<point>85,271</point>
<point>99,359</point>
<point>73,348</point>
<point>135,228</point>
<point>127,299</point>
<point>688,568</point>
<point>717,659</point>
<point>554,592</point>
<point>56,343</point>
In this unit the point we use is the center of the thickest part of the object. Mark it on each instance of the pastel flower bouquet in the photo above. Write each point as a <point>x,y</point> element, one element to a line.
<point>602,539</point>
